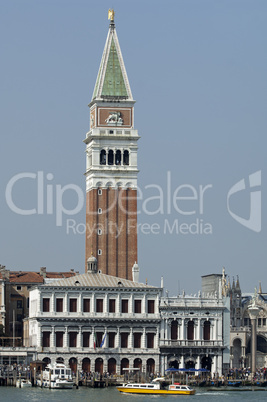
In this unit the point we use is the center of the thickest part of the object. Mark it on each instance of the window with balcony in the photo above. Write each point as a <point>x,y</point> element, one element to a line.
<point>99,305</point>
<point>111,339</point>
<point>73,339</point>
<point>86,305</point>
<point>151,306</point>
<point>190,330</point>
<point>124,339</point>
<point>112,305</point>
<point>137,306</point>
<point>59,305</point>
<point>150,340</point>
<point>86,339</point>
<point>124,306</point>
<point>46,305</point>
<point>73,305</point>
<point>206,331</point>
<point>174,330</point>
<point>59,339</point>
<point>46,339</point>
<point>137,339</point>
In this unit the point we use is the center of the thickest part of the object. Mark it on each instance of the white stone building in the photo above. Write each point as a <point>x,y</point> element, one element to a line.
<point>195,330</point>
<point>96,322</point>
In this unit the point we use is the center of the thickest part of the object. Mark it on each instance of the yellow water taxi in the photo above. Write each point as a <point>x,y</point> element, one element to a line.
<point>156,389</point>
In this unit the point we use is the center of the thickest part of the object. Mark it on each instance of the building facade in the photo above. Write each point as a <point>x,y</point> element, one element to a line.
<point>111,167</point>
<point>194,332</point>
<point>96,322</point>
<point>14,295</point>
<point>242,326</point>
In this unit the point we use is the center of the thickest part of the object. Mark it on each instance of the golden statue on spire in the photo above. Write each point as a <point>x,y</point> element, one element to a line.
<point>111,14</point>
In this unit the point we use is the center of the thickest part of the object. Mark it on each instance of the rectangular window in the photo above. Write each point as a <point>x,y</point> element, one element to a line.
<point>112,305</point>
<point>259,322</point>
<point>150,341</point>
<point>46,305</point>
<point>137,306</point>
<point>99,191</point>
<point>124,306</point>
<point>19,303</point>
<point>59,305</point>
<point>73,339</point>
<point>73,305</point>
<point>124,339</point>
<point>86,339</point>
<point>46,339</point>
<point>99,251</point>
<point>111,339</point>
<point>18,287</point>
<point>137,339</point>
<point>151,306</point>
<point>99,305</point>
<point>264,321</point>
<point>59,339</point>
<point>86,305</point>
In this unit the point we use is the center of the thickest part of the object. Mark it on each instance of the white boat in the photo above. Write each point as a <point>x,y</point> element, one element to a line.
<point>21,383</point>
<point>56,376</point>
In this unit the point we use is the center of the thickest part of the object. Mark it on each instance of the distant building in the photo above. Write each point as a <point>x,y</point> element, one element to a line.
<point>96,322</point>
<point>241,326</point>
<point>14,294</point>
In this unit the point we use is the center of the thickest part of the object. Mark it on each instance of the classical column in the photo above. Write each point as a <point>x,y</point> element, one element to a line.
<point>65,338</point>
<point>182,330</point>
<point>79,338</point>
<point>198,363</point>
<point>182,361</point>
<point>52,337</point>
<point>131,339</point>
<point>143,340</point>
<point>253,311</point>
<point>52,308</point>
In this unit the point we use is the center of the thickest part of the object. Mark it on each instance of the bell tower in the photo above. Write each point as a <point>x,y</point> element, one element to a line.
<point>111,166</point>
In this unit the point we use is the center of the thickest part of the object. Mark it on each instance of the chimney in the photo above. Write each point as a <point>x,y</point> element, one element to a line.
<point>43,272</point>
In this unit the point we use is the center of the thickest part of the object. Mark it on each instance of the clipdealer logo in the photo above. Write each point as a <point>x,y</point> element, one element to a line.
<point>254,221</point>
<point>185,201</point>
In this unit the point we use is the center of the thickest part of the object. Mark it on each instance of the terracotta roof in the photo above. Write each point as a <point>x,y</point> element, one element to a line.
<point>98,280</point>
<point>25,277</point>
<point>35,277</point>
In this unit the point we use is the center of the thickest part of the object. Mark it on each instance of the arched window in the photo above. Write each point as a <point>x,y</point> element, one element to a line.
<point>206,331</point>
<point>110,157</point>
<point>118,158</point>
<point>126,157</point>
<point>103,157</point>
<point>190,330</point>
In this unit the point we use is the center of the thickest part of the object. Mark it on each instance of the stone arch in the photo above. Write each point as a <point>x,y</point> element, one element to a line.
<point>129,185</point>
<point>126,157</point>
<point>99,184</point>
<point>138,363</point>
<point>109,184</point>
<point>150,366</point>
<point>190,363</point>
<point>103,157</point>
<point>73,364</point>
<point>47,360</point>
<point>124,364</point>
<point>99,365</point>
<point>110,157</point>
<point>206,362</point>
<point>237,352</point>
<point>112,366</point>
<point>60,360</point>
<point>86,364</point>
<point>118,157</point>
<point>173,363</point>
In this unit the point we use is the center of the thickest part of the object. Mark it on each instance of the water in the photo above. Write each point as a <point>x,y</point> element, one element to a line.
<point>110,394</point>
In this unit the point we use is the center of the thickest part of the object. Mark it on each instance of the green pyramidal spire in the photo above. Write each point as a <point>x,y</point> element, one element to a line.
<point>112,81</point>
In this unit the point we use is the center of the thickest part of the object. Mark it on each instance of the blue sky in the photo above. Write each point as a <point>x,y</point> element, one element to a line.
<point>197,70</point>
